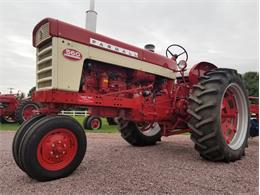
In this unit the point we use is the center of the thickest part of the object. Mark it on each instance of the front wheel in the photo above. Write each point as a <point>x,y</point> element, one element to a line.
<point>52,148</point>
<point>219,116</point>
<point>92,122</point>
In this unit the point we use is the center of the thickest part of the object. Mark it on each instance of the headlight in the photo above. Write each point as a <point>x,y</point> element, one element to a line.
<point>182,65</point>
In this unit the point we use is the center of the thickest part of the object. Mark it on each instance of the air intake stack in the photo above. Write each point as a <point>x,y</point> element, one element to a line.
<point>91,17</point>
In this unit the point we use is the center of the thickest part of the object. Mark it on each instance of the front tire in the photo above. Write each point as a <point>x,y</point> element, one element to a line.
<point>52,148</point>
<point>219,116</point>
<point>19,136</point>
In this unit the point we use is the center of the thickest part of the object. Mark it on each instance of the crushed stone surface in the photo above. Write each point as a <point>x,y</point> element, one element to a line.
<point>112,166</point>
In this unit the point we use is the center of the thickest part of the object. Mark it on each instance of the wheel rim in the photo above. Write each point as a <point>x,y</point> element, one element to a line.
<point>57,149</point>
<point>234,116</point>
<point>29,111</point>
<point>148,128</point>
<point>95,124</point>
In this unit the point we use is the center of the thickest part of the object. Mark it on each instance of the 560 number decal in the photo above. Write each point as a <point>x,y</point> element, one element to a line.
<point>72,54</point>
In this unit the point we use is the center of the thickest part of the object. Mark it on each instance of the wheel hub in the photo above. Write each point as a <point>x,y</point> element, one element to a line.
<point>57,149</point>
<point>229,116</point>
<point>29,111</point>
<point>95,124</point>
<point>148,128</point>
<point>234,116</point>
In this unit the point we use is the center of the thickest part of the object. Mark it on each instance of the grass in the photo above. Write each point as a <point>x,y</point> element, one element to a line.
<point>106,128</point>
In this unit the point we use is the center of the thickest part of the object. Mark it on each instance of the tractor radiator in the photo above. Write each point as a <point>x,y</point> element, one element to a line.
<point>44,65</point>
<point>44,57</point>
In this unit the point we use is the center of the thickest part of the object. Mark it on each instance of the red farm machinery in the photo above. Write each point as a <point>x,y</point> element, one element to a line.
<point>13,108</point>
<point>148,94</point>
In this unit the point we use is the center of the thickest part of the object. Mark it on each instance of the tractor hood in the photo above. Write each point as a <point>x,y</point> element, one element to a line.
<point>56,28</point>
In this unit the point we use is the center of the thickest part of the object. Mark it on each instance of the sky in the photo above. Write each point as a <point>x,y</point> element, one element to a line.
<point>223,32</point>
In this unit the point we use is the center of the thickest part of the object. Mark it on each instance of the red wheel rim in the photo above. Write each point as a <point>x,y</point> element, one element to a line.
<point>148,128</point>
<point>57,149</point>
<point>29,111</point>
<point>95,124</point>
<point>229,116</point>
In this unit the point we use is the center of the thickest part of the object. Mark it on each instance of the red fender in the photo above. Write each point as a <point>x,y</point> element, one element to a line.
<point>199,70</point>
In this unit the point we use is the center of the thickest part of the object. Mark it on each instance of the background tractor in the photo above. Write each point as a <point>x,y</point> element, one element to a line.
<point>15,108</point>
<point>137,87</point>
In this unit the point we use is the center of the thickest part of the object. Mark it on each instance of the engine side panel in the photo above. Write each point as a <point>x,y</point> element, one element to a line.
<point>66,67</point>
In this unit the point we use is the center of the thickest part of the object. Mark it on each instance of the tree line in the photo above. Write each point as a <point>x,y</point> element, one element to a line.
<point>251,80</point>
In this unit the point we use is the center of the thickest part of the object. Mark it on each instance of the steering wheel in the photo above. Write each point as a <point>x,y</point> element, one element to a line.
<point>170,52</point>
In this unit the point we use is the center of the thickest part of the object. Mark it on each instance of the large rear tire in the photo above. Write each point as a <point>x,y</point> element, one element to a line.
<point>26,110</point>
<point>52,148</point>
<point>140,134</point>
<point>219,116</point>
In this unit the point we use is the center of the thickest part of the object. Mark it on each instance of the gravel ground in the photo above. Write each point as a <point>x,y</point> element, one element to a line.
<point>111,166</point>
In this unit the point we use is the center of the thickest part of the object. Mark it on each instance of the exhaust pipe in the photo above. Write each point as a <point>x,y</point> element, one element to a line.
<point>91,17</point>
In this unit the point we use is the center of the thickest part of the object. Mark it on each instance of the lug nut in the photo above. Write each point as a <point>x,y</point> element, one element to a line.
<point>64,145</point>
<point>53,145</point>
<point>51,152</point>
<point>59,142</point>
<point>63,152</point>
<point>57,156</point>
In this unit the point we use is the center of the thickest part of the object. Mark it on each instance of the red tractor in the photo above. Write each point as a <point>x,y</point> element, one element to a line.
<point>15,109</point>
<point>137,87</point>
<point>8,104</point>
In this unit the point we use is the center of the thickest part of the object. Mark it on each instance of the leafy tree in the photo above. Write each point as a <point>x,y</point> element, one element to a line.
<point>251,80</point>
<point>31,91</point>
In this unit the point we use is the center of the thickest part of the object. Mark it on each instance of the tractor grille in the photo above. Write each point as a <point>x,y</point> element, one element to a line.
<point>44,65</point>
<point>42,34</point>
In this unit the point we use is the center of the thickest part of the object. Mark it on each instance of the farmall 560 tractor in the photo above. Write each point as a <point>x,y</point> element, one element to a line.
<point>137,87</point>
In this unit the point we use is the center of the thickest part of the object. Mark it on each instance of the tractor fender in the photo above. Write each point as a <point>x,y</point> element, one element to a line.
<point>199,70</point>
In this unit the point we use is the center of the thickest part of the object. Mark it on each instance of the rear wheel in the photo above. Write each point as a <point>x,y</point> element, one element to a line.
<point>219,116</point>
<point>140,134</point>
<point>25,110</point>
<point>52,148</point>
<point>92,122</point>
